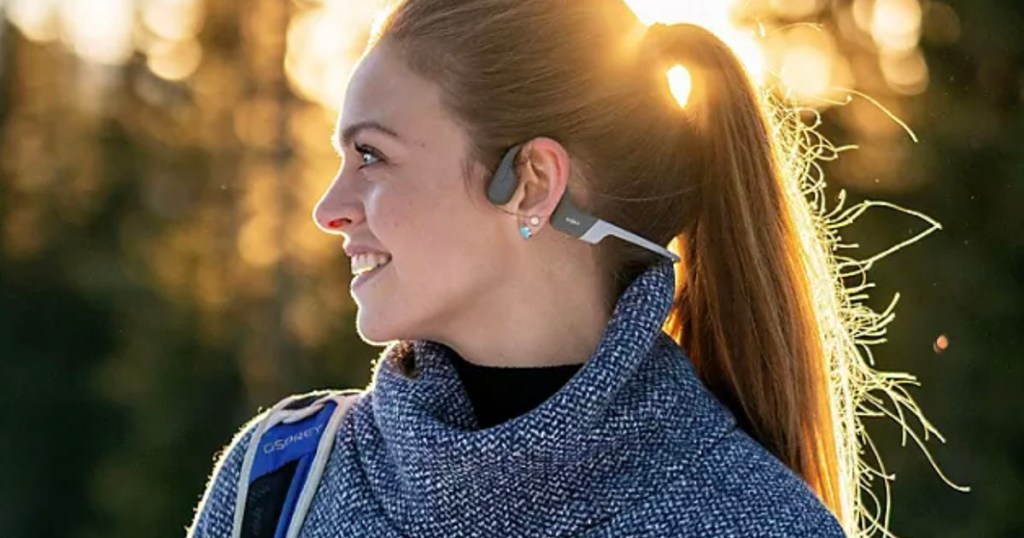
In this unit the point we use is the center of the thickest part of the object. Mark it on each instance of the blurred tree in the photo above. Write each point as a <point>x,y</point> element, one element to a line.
<point>170,207</point>
<point>966,283</point>
<point>56,427</point>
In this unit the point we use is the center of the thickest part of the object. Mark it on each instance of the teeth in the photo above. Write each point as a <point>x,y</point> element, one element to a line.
<point>362,263</point>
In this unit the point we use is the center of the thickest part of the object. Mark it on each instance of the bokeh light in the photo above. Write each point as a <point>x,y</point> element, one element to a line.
<point>172,20</point>
<point>896,24</point>
<point>174,60</point>
<point>324,39</point>
<point>35,18</point>
<point>99,30</point>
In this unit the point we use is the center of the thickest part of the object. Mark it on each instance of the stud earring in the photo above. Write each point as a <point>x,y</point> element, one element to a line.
<point>525,230</point>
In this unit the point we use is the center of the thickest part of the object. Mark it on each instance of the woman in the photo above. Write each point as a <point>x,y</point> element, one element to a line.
<point>641,398</point>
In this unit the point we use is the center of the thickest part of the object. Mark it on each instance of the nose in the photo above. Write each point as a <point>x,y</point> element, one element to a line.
<point>338,210</point>
<point>332,226</point>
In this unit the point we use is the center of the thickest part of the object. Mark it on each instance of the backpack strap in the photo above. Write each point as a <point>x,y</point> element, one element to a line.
<point>284,461</point>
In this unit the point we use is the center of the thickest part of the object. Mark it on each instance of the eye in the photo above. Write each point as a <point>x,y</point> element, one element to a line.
<point>368,151</point>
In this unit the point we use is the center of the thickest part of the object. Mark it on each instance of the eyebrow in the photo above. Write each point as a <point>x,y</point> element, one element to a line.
<point>342,140</point>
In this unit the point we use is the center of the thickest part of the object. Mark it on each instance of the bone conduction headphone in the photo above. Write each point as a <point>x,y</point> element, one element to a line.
<point>567,217</point>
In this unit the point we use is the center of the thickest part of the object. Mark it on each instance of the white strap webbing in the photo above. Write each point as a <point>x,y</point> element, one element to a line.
<point>277,415</point>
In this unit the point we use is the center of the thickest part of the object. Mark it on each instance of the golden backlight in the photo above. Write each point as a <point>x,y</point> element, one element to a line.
<point>681,83</point>
<point>325,37</point>
<point>716,17</point>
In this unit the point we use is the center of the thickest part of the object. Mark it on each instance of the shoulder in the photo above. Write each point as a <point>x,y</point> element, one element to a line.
<point>215,513</point>
<point>735,488</point>
<point>744,488</point>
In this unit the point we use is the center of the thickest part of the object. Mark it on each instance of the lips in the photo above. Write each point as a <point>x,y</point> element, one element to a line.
<point>354,250</point>
<point>364,277</point>
<point>364,262</point>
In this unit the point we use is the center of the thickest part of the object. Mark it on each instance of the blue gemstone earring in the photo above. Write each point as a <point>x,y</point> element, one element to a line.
<point>525,230</point>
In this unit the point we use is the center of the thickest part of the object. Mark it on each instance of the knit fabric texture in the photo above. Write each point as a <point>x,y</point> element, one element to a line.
<point>632,445</point>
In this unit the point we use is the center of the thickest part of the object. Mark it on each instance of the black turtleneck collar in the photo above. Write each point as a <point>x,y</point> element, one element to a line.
<point>500,393</point>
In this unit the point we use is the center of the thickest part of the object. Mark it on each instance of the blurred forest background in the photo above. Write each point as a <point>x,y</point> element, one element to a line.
<point>161,278</point>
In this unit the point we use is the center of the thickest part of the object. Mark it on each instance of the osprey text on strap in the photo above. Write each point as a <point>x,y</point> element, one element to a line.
<point>284,462</point>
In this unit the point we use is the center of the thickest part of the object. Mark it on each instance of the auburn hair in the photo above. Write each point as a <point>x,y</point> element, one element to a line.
<point>703,179</point>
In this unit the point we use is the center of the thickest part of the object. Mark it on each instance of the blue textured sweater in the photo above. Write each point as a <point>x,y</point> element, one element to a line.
<point>632,445</point>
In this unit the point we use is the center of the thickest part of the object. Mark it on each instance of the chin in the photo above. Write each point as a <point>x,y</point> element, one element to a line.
<point>377,328</point>
<point>372,331</point>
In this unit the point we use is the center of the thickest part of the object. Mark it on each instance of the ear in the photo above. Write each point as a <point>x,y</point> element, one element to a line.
<point>543,169</point>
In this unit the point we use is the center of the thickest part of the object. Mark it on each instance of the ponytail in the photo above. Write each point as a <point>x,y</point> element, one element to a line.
<point>743,307</point>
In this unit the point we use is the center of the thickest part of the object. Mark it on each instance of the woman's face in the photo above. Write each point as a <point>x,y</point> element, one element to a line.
<point>400,190</point>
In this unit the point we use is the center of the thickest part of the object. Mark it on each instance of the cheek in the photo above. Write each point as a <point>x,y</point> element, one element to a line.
<point>432,222</point>
<point>410,224</point>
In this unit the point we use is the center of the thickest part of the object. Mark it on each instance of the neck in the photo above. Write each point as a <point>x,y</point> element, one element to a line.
<point>545,316</point>
<point>593,435</point>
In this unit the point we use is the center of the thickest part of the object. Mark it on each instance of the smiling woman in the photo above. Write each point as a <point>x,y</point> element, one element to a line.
<point>487,148</point>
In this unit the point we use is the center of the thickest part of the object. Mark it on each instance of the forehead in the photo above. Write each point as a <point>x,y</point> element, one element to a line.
<point>384,90</point>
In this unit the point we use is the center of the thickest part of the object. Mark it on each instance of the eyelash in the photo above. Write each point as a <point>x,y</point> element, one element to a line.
<point>361,149</point>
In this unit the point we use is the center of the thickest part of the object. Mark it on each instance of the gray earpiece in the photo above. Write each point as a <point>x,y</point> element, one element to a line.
<point>567,218</point>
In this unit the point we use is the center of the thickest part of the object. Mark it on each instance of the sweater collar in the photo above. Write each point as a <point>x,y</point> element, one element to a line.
<point>623,391</point>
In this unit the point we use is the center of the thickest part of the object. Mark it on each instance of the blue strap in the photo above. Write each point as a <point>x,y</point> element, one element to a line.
<point>279,470</point>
